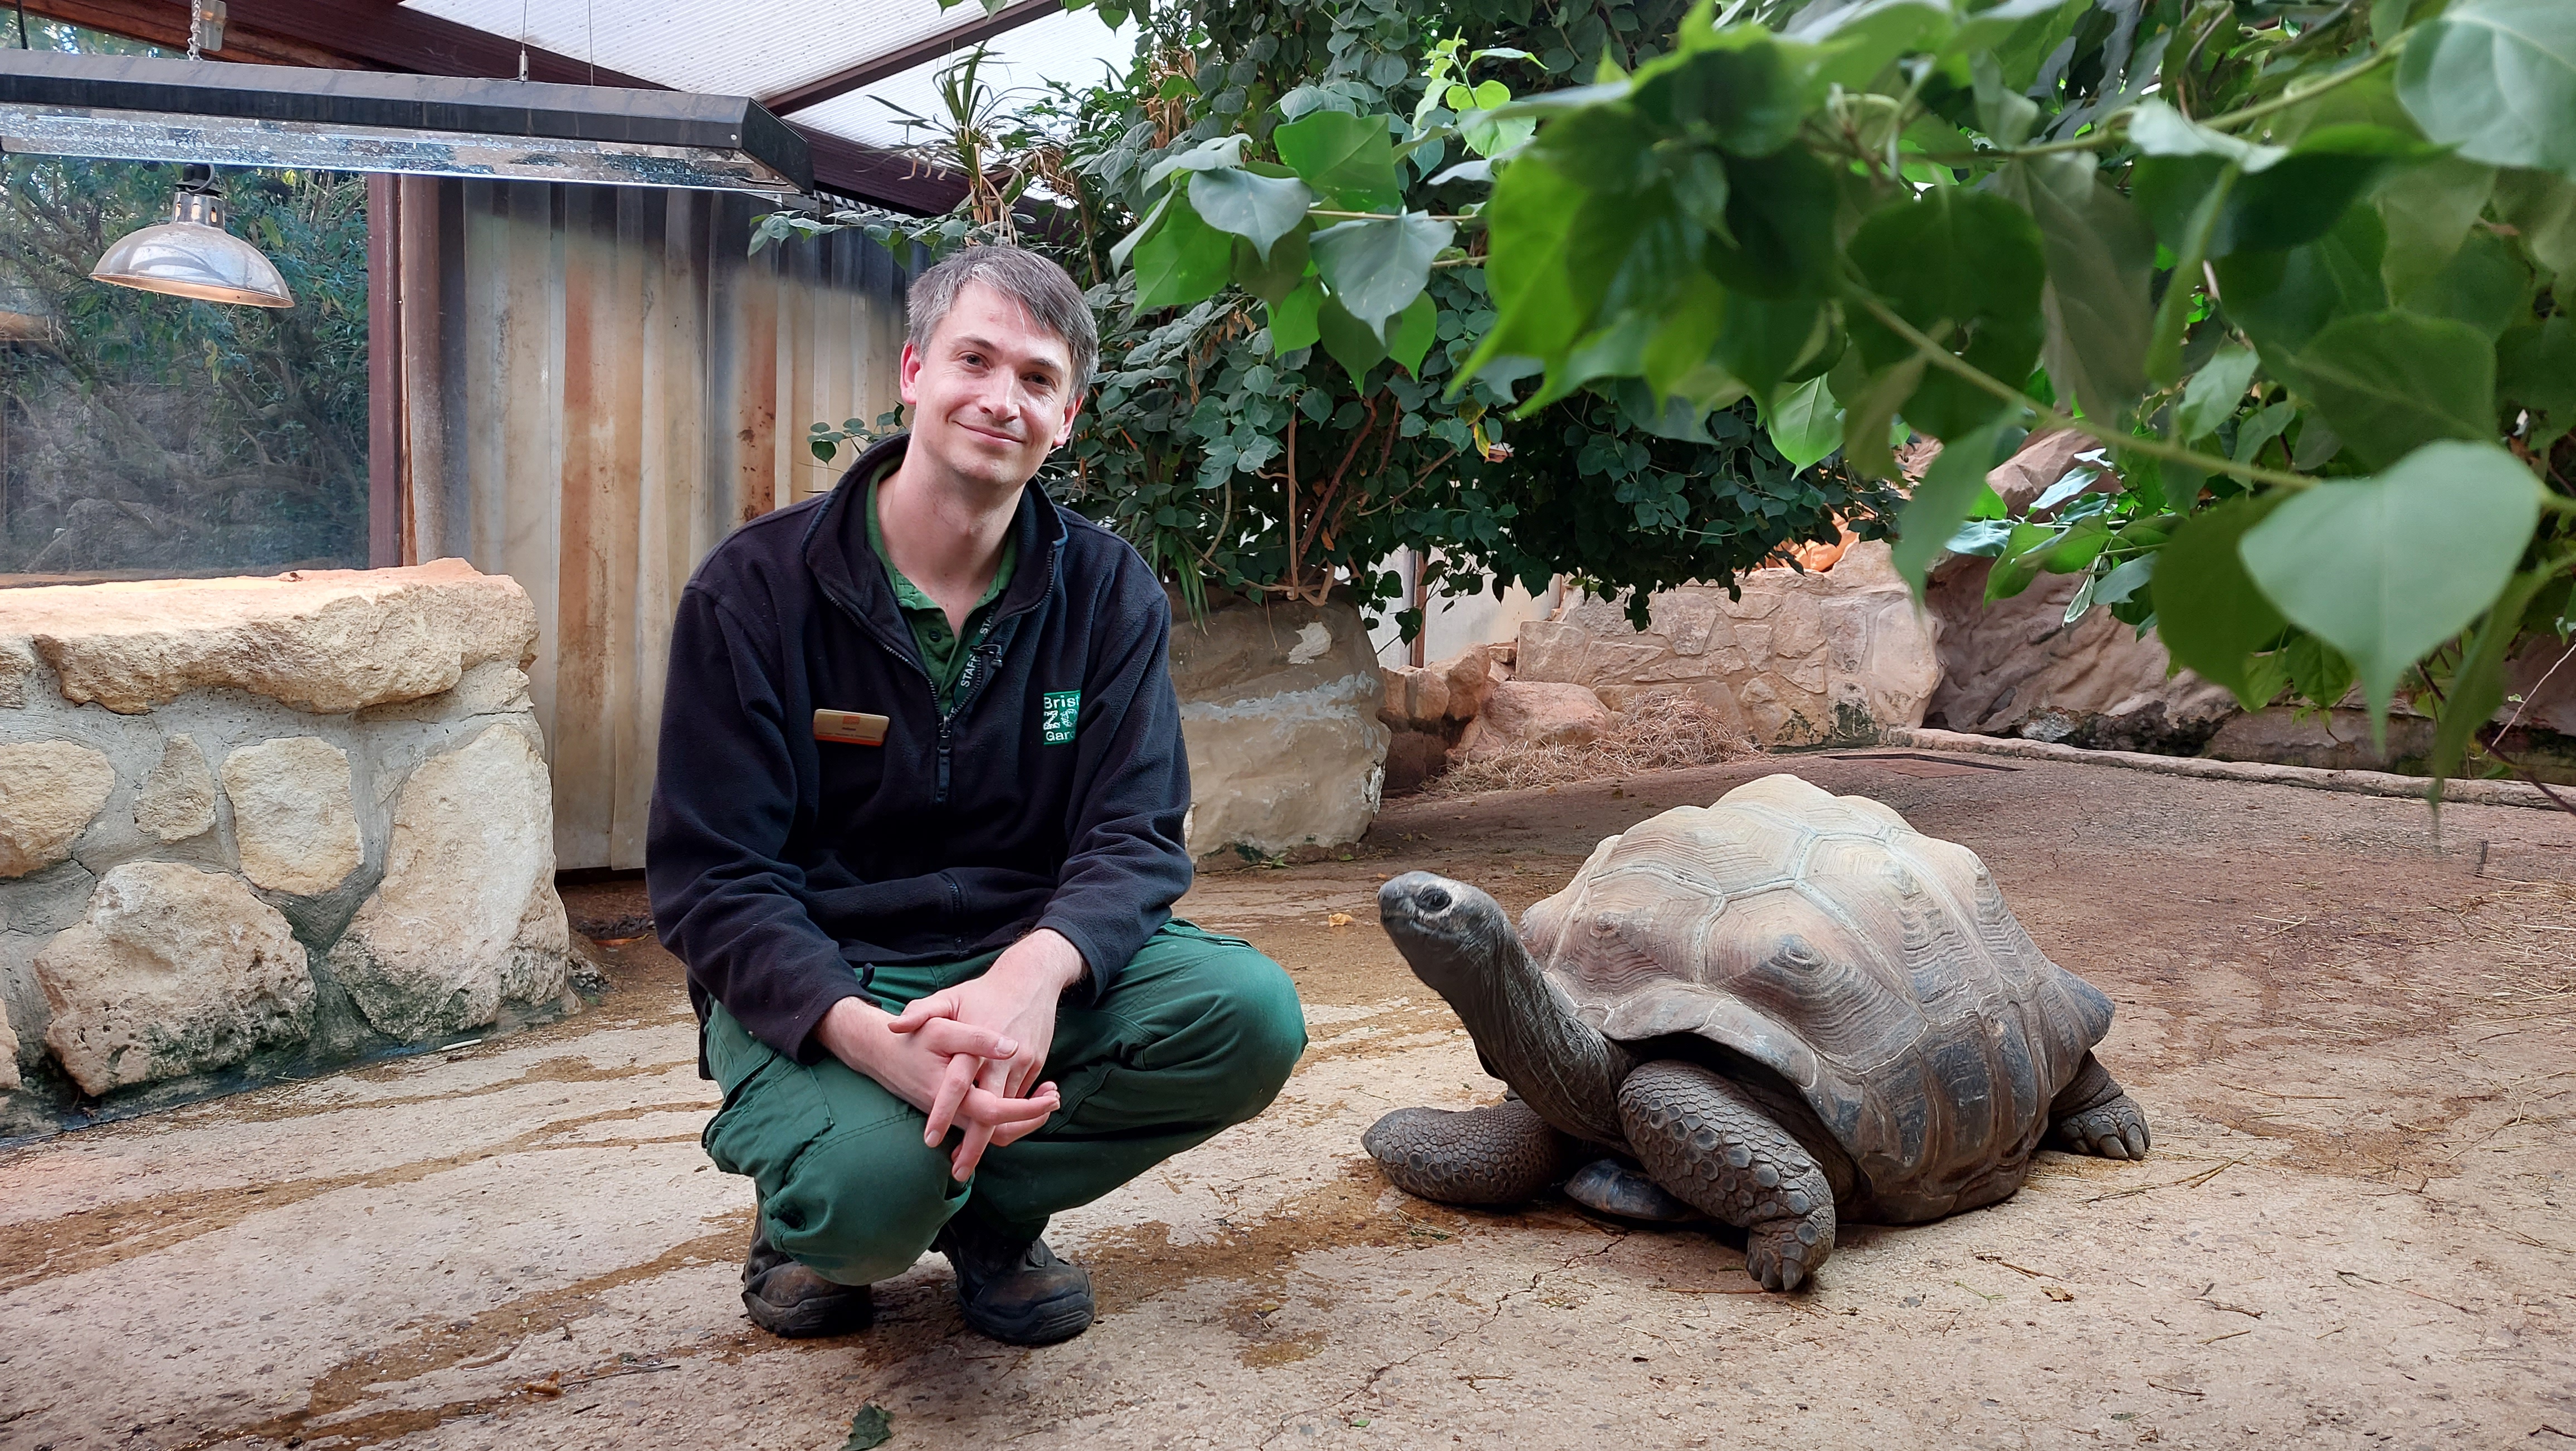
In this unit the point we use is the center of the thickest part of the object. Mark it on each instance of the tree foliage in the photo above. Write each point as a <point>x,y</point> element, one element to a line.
<point>2302,270</point>
<point>1268,215</point>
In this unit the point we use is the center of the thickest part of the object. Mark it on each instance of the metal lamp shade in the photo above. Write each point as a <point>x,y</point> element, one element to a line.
<point>191,255</point>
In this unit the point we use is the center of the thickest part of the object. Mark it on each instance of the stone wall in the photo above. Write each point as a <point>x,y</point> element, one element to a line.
<point>250,827</point>
<point>1799,659</point>
<point>1279,706</point>
<point>2015,667</point>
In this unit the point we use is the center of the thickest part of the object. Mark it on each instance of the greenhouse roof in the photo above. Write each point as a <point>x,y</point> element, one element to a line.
<point>828,70</point>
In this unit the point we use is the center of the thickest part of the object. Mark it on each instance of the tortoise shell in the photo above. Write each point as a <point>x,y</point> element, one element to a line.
<point>1874,968</point>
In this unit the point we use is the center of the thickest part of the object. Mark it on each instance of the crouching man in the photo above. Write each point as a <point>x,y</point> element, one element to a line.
<point>917,833</point>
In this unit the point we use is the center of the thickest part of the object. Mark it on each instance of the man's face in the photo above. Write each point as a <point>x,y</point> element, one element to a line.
<point>992,395</point>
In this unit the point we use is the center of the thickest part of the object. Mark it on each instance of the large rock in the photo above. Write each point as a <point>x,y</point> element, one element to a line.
<point>178,799</point>
<point>467,918</point>
<point>1279,706</point>
<point>174,971</point>
<point>1798,659</point>
<point>1536,713</point>
<point>49,791</point>
<point>9,1078</point>
<point>292,814</point>
<point>325,641</point>
<point>2016,668</point>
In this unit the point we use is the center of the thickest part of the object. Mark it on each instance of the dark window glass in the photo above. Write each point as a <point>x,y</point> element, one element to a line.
<point>143,434</point>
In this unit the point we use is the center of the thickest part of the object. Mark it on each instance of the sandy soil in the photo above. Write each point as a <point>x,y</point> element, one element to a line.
<point>2357,1229</point>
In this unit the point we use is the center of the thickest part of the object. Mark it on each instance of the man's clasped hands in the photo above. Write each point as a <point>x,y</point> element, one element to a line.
<point>967,1055</point>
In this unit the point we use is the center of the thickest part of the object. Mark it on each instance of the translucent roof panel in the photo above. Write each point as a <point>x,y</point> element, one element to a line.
<point>1075,48</point>
<point>765,47</point>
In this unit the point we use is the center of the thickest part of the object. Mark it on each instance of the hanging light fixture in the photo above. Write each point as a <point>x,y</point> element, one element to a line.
<point>191,255</point>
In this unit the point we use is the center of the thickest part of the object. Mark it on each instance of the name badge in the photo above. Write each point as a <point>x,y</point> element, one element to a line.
<point>849,727</point>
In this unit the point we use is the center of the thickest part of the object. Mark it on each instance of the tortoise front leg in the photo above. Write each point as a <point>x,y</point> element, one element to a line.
<point>2094,1115</point>
<point>1708,1142</point>
<point>1505,1154</point>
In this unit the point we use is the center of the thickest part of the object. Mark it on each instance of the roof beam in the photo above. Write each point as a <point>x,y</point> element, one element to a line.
<point>896,62</point>
<point>382,34</point>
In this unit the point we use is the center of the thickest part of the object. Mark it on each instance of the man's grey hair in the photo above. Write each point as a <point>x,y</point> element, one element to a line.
<point>1035,283</point>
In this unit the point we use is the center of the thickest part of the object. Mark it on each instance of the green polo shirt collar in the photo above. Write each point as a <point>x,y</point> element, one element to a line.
<point>944,652</point>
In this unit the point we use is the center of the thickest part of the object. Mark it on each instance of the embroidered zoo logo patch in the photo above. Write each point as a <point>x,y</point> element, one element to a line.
<point>1057,712</point>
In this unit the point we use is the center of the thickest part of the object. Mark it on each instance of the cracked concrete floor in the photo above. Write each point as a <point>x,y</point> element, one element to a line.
<point>2356,1229</point>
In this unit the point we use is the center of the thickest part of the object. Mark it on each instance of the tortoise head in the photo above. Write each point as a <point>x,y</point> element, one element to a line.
<point>1455,937</point>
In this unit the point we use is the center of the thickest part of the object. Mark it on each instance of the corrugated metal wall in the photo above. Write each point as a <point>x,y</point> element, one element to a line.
<point>598,385</point>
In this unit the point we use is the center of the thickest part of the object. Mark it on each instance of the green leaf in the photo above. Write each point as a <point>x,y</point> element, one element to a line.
<point>1293,319</point>
<point>1763,341</point>
<point>2100,254</point>
<point>1780,215</point>
<point>2317,669</point>
<point>1184,260</point>
<point>2390,381</point>
<point>2485,284</point>
<point>2260,428</point>
<point>1212,154</point>
<point>2542,208</point>
<point>1415,330</point>
<point>1805,423</point>
<point>2280,197</point>
<point>1541,303</point>
<point>2209,613</point>
<point>1742,96</point>
<point>1259,209</point>
<point>1871,416</point>
<point>2497,79</point>
<point>1353,343</point>
<point>1348,159</point>
<point>2211,397</point>
<point>2428,211</point>
<point>2003,112</point>
<point>2386,568</point>
<point>2536,368</point>
<point>1377,268</point>
<point>870,1428</point>
<point>2020,561</point>
<point>1950,486</point>
<point>1966,261</point>
<point>1273,278</point>
<point>1681,341</point>
<point>2282,298</point>
<point>2477,687</point>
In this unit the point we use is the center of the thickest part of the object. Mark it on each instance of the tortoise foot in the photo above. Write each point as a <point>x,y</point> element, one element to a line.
<point>1505,1154</point>
<point>1782,1254</point>
<point>1623,1191</point>
<point>1710,1143</point>
<point>2114,1130</point>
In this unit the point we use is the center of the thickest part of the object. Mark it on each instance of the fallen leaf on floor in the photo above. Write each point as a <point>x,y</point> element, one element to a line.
<point>2054,1293</point>
<point>1338,919</point>
<point>552,1385</point>
<point>869,1429</point>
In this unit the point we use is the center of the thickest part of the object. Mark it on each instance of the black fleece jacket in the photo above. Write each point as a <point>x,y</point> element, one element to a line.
<point>1052,794</point>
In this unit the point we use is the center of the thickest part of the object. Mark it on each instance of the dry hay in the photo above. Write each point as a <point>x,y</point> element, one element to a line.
<point>1658,730</point>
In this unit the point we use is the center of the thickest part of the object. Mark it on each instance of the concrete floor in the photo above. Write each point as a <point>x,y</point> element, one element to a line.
<point>2357,1230</point>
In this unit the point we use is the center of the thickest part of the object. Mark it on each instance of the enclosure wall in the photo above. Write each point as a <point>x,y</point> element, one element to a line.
<point>598,384</point>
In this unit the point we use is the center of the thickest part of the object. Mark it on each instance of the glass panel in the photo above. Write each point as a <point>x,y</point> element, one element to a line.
<point>145,435</point>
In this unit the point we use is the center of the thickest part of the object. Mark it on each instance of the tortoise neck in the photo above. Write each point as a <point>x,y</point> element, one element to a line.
<point>1562,1066</point>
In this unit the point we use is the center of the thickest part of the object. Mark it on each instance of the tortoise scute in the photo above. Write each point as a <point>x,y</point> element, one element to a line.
<point>1877,970</point>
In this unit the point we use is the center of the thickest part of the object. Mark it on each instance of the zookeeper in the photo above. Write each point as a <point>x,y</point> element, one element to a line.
<point>916,832</point>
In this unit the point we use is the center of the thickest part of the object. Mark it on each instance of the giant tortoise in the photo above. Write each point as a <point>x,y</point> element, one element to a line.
<point>1782,1011</point>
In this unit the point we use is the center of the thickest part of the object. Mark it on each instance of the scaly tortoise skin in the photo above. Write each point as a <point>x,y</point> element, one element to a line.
<point>1787,1009</point>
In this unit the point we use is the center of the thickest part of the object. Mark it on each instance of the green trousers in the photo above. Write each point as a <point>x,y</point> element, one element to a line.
<point>1197,1034</point>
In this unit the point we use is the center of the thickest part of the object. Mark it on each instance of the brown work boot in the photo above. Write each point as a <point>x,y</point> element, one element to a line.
<point>1015,1290</point>
<point>788,1299</point>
